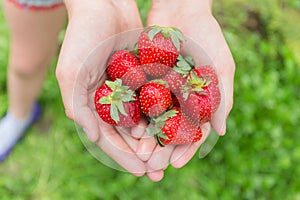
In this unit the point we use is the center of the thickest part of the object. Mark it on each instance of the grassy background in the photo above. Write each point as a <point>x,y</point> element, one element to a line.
<point>258,158</point>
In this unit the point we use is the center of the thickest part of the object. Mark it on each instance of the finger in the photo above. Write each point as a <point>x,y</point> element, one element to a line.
<point>139,130</point>
<point>155,176</point>
<point>145,147</point>
<point>125,133</point>
<point>73,79</point>
<point>225,67</point>
<point>81,110</point>
<point>183,153</point>
<point>223,61</point>
<point>226,89</point>
<point>114,146</point>
<point>90,126</point>
<point>160,157</point>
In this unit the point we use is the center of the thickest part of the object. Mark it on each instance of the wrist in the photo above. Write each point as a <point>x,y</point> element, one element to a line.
<point>203,6</point>
<point>77,6</point>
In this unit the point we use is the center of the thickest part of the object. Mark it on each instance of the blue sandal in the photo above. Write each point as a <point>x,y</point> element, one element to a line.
<point>35,115</point>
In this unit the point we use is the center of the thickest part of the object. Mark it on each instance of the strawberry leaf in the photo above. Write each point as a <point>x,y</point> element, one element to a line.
<point>115,95</point>
<point>114,113</point>
<point>175,40</point>
<point>160,81</point>
<point>154,31</point>
<point>159,124</point>
<point>164,117</point>
<point>135,50</point>
<point>105,100</point>
<point>128,98</point>
<point>111,84</point>
<point>178,33</point>
<point>121,108</point>
<point>162,135</point>
<point>165,33</point>
<point>181,71</point>
<point>190,60</point>
<point>151,130</point>
<point>184,65</point>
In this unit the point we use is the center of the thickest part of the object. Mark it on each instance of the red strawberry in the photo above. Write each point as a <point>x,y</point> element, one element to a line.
<point>155,70</point>
<point>160,45</point>
<point>124,65</point>
<point>117,104</point>
<point>134,78</point>
<point>175,80</point>
<point>176,76</point>
<point>208,72</point>
<point>200,97</point>
<point>155,97</point>
<point>173,127</point>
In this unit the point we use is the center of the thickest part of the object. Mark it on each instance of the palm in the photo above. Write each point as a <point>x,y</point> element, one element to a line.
<point>81,67</point>
<point>205,31</point>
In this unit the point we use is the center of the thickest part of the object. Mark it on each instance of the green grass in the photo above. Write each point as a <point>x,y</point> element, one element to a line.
<point>258,158</point>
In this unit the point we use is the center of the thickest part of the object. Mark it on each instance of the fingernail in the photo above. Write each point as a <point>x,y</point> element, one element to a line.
<point>223,129</point>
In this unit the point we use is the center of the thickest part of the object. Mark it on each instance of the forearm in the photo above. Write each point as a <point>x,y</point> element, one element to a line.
<point>90,6</point>
<point>121,13</point>
<point>203,6</point>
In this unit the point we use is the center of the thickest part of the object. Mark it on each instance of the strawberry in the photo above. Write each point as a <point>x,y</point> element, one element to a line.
<point>207,71</point>
<point>117,104</point>
<point>124,65</point>
<point>159,45</point>
<point>200,96</point>
<point>174,80</point>
<point>210,74</point>
<point>173,127</point>
<point>155,97</point>
<point>176,76</point>
<point>155,70</point>
<point>134,78</point>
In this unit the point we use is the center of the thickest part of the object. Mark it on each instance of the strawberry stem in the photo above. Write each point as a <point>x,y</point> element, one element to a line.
<point>159,142</point>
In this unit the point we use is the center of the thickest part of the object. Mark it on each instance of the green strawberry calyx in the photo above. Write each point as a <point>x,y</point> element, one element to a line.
<point>120,94</point>
<point>161,82</point>
<point>154,128</point>
<point>195,84</point>
<point>184,65</point>
<point>168,32</point>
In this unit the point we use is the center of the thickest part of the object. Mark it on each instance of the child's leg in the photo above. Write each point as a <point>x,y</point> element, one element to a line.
<point>33,45</point>
<point>34,42</point>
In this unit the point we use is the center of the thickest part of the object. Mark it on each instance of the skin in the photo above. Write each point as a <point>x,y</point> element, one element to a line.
<point>81,83</point>
<point>31,51</point>
<point>85,47</point>
<point>194,18</point>
<point>196,21</point>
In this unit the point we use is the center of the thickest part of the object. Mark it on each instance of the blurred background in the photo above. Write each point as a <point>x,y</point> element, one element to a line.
<point>258,158</point>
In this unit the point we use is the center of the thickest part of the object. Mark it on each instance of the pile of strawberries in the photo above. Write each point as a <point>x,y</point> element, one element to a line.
<point>157,82</point>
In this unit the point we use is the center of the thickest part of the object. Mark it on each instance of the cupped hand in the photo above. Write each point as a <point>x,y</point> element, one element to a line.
<point>196,21</point>
<point>80,70</point>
